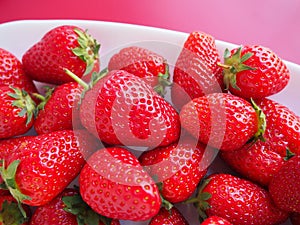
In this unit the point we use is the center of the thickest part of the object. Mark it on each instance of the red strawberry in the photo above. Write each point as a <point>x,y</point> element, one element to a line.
<point>239,201</point>
<point>114,184</point>
<point>121,101</point>
<point>16,111</point>
<point>222,120</point>
<point>285,186</point>
<point>178,167</point>
<point>44,165</point>
<point>170,217</point>
<point>295,218</point>
<point>260,161</point>
<point>10,212</point>
<point>11,72</point>
<point>143,63</point>
<point>196,71</point>
<point>57,107</point>
<point>62,47</point>
<point>254,72</point>
<point>215,220</point>
<point>68,209</point>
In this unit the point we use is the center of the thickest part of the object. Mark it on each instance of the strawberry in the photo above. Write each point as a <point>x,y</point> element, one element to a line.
<point>215,220</point>
<point>122,101</point>
<point>114,184</point>
<point>68,208</point>
<point>254,72</point>
<point>178,168</point>
<point>12,73</point>
<point>196,71</point>
<point>237,200</point>
<point>170,217</point>
<point>44,165</point>
<point>10,212</point>
<point>295,218</point>
<point>16,111</point>
<point>56,109</point>
<point>223,120</point>
<point>285,186</point>
<point>260,161</point>
<point>143,63</point>
<point>65,46</point>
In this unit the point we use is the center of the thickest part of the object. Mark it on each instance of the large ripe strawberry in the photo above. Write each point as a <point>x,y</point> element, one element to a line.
<point>114,184</point>
<point>254,72</point>
<point>178,168</point>
<point>55,112</point>
<point>170,217</point>
<point>143,63</point>
<point>223,120</point>
<point>196,71</point>
<point>239,201</point>
<point>260,161</point>
<point>65,46</point>
<point>120,102</point>
<point>12,73</point>
<point>16,111</point>
<point>10,213</point>
<point>285,186</point>
<point>68,208</point>
<point>44,165</point>
<point>215,220</point>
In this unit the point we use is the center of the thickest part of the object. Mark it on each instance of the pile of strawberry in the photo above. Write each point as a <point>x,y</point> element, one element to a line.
<point>87,127</point>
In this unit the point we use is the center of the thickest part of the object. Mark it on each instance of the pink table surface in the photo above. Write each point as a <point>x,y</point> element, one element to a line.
<point>274,24</point>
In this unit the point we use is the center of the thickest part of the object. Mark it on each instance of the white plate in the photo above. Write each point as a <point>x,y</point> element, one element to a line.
<point>18,36</point>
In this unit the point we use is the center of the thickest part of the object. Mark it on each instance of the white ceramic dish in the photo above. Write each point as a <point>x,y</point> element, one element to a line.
<point>18,36</point>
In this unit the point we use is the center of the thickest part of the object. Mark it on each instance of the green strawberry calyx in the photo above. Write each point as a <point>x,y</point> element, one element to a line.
<point>234,64</point>
<point>163,82</point>
<point>43,98</point>
<point>88,49</point>
<point>24,102</point>
<point>11,214</point>
<point>8,175</point>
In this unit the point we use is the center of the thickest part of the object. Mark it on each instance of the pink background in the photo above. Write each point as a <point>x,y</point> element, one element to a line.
<point>272,23</point>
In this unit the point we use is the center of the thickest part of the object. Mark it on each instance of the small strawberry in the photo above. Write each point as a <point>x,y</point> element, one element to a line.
<point>285,186</point>
<point>170,217</point>
<point>10,213</point>
<point>223,121</point>
<point>239,201</point>
<point>57,107</point>
<point>196,71</point>
<point>143,63</point>
<point>16,111</point>
<point>62,47</point>
<point>68,208</point>
<point>254,72</point>
<point>215,220</point>
<point>114,184</point>
<point>44,165</point>
<point>178,168</point>
<point>261,160</point>
<point>121,101</point>
<point>12,73</point>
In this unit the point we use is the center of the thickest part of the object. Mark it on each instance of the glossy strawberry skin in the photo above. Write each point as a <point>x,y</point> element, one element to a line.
<point>260,161</point>
<point>179,167</point>
<point>285,186</point>
<point>114,185</point>
<point>49,163</point>
<point>270,74</point>
<point>170,217</point>
<point>215,220</point>
<point>241,202</point>
<point>122,101</point>
<point>59,112</point>
<point>46,60</point>
<point>196,71</point>
<point>220,120</point>
<point>12,73</point>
